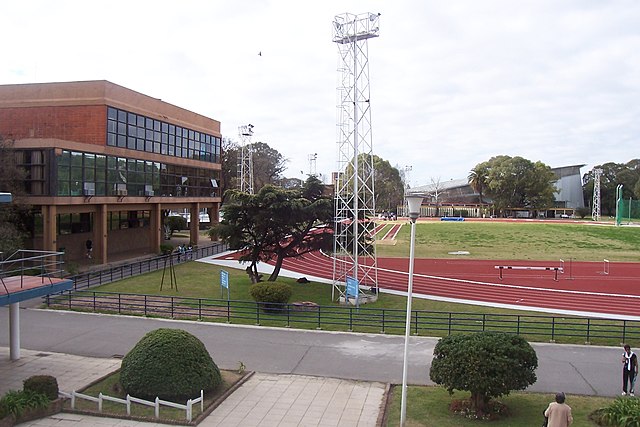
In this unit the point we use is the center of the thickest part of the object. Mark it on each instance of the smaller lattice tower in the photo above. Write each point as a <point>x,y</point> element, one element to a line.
<point>407,186</point>
<point>245,160</point>
<point>595,212</point>
<point>313,171</point>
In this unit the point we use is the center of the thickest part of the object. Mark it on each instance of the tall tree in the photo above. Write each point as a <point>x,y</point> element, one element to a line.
<point>613,174</point>
<point>276,224</point>
<point>388,185</point>
<point>14,217</point>
<point>268,165</point>
<point>515,182</point>
<point>478,179</point>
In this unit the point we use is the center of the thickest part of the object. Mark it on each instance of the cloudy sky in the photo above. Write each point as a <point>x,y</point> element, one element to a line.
<point>452,83</point>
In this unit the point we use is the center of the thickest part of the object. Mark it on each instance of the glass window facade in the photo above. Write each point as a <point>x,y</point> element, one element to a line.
<point>80,174</point>
<point>137,132</point>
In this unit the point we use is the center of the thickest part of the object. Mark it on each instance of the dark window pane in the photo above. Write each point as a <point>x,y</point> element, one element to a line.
<point>112,113</point>
<point>122,116</point>
<point>131,143</point>
<point>111,139</point>
<point>156,125</point>
<point>140,121</point>
<point>133,131</point>
<point>149,123</point>
<point>132,118</point>
<point>111,126</point>
<point>122,129</point>
<point>165,127</point>
<point>122,141</point>
<point>140,144</point>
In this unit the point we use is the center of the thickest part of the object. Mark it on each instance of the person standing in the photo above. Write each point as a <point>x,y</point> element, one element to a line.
<point>89,245</point>
<point>558,412</point>
<point>629,370</point>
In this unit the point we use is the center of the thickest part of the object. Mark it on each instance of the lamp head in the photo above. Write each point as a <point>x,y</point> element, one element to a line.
<point>414,202</point>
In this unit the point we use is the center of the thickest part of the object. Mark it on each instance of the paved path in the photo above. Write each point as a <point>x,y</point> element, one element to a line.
<point>264,400</point>
<point>278,353</point>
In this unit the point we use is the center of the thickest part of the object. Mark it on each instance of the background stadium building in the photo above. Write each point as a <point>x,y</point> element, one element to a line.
<point>457,198</point>
<point>106,163</point>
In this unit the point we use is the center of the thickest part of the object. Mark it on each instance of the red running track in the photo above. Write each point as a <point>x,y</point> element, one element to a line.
<point>583,288</point>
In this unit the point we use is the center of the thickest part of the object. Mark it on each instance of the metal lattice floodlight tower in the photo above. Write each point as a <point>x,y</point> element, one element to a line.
<point>595,212</point>
<point>354,243</point>
<point>407,186</point>
<point>245,166</point>
<point>313,171</point>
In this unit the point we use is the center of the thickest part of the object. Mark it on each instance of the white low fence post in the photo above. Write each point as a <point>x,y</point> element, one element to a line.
<point>130,399</point>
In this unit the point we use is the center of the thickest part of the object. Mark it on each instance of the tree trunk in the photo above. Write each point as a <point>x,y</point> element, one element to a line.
<point>479,402</point>
<point>276,268</point>
<point>252,272</point>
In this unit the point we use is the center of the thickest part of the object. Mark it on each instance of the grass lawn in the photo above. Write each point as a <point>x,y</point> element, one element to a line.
<point>582,241</point>
<point>429,407</point>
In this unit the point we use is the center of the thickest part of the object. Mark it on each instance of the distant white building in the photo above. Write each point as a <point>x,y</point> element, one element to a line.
<point>569,187</point>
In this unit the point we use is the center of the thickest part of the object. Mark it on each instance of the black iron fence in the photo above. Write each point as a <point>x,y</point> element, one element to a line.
<point>350,318</point>
<point>112,274</point>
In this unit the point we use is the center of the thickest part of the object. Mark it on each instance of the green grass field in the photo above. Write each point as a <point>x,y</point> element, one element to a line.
<point>582,241</point>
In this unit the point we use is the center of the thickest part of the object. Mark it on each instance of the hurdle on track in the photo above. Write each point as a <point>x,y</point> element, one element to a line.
<point>605,266</point>
<point>525,267</point>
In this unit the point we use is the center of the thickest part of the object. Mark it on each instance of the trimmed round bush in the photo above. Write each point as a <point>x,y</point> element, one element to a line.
<point>43,384</point>
<point>271,293</point>
<point>171,364</point>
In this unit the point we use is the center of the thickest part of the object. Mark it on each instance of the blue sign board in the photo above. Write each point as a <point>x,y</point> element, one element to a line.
<point>224,279</point>
<point>352,287</point>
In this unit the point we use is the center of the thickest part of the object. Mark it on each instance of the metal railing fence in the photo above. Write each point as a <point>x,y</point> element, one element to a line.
<point>112,274</point>
<point>349,318</point>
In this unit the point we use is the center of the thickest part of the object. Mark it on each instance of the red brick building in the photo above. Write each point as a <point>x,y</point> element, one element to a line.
<point>106,163</point>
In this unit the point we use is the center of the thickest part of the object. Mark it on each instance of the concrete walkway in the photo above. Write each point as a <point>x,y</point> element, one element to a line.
<point>264,400</point>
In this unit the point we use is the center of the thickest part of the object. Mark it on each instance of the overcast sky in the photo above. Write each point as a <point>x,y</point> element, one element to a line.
<point>453,83</point>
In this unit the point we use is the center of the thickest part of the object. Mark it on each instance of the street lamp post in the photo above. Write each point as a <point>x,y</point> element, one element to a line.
<point>414,202</point>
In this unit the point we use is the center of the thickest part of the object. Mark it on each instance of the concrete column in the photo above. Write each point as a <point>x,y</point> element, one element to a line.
<point>101,233</point>
<point>49,228</point>
<point>14,331</point>
<point>155,228</point>
<point>194,225</point>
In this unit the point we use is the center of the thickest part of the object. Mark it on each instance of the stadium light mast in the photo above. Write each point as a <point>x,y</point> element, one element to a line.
<point>245,167</point>
<point>312,164</point>
<point>354,245</point>
<point>595,212</point>
<point>407,186</point>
